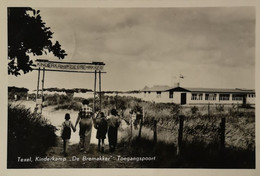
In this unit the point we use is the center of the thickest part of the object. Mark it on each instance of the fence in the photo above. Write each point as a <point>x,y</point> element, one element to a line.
<point>180,132</point>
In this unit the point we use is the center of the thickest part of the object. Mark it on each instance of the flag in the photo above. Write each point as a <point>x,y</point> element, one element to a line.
<point>181,76</point>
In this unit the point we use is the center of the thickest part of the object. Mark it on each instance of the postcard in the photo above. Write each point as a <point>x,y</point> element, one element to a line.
<point>129,88</point>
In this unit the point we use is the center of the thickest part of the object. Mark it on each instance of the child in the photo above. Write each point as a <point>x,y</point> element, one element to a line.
<point>113,124</point>
<point>101,126</point>
<point>66,132</point>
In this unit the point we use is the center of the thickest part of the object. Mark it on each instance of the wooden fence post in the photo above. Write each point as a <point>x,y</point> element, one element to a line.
<point>208,108</point>
<point>222,133</point>
<point>131,127</point>
<point>155,131</point>
<point>140,128</point>
<point>180,135</point>
<point>237,107</point>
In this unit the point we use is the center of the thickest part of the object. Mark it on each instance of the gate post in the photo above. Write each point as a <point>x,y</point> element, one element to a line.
<point>38,82</point>
<point>43,76</point>
<point>94,97</point>
<point>100,94</point>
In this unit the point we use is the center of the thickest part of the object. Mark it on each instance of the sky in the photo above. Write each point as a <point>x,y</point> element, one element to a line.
<point>212,47</point>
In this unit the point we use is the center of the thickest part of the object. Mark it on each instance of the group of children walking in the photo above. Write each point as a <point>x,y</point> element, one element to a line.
<point>104,126</point>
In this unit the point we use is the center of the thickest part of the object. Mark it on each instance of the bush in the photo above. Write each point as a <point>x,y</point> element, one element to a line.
<point>21,93</point>
<point>194,110</point>
<point>69,105</point>
<point>28,136</point>
<point>220,108</point>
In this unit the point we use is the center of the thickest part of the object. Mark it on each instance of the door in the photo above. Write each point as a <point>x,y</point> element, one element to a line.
<point>183,98</point>
<point>244,100</point>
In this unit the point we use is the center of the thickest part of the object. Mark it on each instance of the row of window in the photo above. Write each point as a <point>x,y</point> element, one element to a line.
<point>222,97</point>
<point>196,96</point>
<point>251,95</point>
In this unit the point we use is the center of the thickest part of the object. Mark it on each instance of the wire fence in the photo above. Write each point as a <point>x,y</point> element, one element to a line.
<point>227,125</point>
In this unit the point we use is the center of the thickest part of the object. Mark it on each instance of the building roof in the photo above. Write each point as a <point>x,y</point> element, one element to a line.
<point>156,88</point>
<point>212,90</point>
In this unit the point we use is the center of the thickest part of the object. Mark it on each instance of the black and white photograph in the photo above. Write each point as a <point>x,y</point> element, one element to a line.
<point>131,87</point>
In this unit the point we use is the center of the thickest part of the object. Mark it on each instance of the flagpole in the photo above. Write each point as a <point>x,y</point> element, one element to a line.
<point>179,80</point>
<point>180,77</point>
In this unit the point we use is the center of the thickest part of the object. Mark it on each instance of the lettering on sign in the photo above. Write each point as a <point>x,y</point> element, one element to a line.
<point>70,66</point>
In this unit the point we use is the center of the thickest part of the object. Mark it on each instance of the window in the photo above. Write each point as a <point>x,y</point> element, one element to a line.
<point>251,95</point>
<point>196,96</point>
<point>158,94</point>
<point>223,97</point>
<point>193,96</point>
<point>171,94</point>
<point>200,96</point>
<point>210,96</point>
<point>237,97</point>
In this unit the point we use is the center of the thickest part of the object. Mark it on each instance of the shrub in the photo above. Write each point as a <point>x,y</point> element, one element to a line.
<point>69,105</point>
<point>194,110</point>
<point>220,108</point>
<point>28,136</point>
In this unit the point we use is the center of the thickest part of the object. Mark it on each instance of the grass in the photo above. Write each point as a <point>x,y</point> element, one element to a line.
<point>198,124</point>
<point>195,154</point>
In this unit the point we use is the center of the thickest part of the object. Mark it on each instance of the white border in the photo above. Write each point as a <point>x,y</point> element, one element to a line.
<point>102,4</point>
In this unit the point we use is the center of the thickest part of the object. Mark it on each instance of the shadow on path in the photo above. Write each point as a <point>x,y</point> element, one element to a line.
<point>78,159</point>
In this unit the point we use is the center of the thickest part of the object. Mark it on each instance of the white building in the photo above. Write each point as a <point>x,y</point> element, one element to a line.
<point>157,94</point>
<point>180,95</point>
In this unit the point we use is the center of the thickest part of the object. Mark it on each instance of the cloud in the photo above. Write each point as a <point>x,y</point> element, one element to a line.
<point>153,42</point>
<point>149,33</point>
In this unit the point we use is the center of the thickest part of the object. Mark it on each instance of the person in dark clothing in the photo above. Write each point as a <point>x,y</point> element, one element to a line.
<point>66,132</point>
<point>113,124</point>
<point>101,126</point>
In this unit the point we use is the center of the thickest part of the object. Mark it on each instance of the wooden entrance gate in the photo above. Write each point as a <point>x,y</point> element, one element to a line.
<point>74,67</point>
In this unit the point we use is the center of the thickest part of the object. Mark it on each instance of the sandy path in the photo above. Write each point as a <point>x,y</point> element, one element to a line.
<point>56,117</point>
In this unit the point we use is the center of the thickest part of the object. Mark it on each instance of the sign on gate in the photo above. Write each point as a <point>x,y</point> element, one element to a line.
<point>70,66</point>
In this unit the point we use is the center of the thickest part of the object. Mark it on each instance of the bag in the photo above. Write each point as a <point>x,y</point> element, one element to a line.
<point>66,132</point>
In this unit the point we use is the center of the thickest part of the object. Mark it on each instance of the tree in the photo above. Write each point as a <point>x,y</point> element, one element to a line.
<point>27,34</point>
